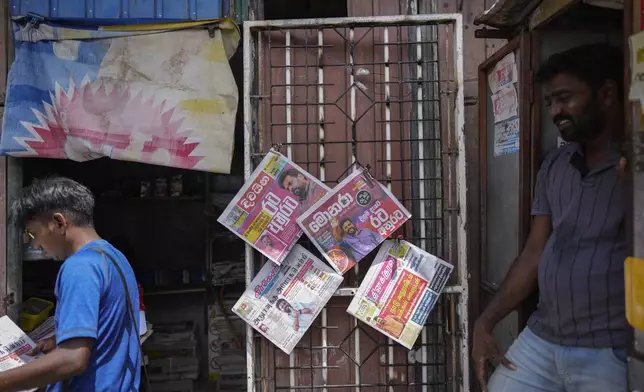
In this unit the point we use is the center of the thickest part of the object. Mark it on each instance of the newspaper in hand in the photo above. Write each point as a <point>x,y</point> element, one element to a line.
<point>264,212</point>
<point>283,300</point>
<point>352,220</point>
<point>400,290</point>
<point>15,346</point>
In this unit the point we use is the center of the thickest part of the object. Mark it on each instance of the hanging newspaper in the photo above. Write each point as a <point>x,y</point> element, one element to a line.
<point>264,212</point>
<point>352,220</point>
<point>15,346</point>
<point>283,300</point>
<point>400,290</point>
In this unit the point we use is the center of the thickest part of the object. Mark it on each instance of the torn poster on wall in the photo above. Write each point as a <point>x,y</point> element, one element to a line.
<point>506,137</point>
<point>505,103</point>
<point>636,91</point>
<point>504,73</point>
<point>161,94</point>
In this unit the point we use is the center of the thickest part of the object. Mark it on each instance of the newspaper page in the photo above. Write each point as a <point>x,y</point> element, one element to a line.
<point>400,290</point>
<point>353,219</point>
<point>46,330</point>
<point>283,300</point>
<point>15,346</point>
<point>264,212</point>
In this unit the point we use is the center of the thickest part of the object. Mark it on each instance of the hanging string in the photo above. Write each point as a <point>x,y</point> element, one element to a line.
<point>356,164</point>
<point>277,147</point>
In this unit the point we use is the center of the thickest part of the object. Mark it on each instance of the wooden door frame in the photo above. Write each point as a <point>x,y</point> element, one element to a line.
<point>524,42</point>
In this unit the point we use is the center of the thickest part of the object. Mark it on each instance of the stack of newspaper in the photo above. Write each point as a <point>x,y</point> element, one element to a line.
<point>172,350</point>
<point>226,353</point>
<point>227,272</point>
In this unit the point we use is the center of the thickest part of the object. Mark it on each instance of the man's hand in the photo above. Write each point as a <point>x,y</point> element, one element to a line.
<point>69,359</point>
<point>334,222</point>
<point>517,285</point>
<point>485,349</point>
<point>45,346</point>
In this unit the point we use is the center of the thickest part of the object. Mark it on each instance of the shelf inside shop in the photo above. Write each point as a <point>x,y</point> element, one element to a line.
<point>34,259</point>
<point>169,290</point>
<point>149,198</point>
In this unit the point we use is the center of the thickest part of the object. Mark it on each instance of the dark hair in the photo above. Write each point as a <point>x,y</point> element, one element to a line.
<point>345,220</point>
<point>281,301</point>
<point>594,64</point>
<point>287,173</point>
<point>54,195</point>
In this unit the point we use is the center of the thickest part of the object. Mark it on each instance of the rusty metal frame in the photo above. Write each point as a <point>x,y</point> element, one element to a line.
<point>4,68</point>
<point>252,116</point>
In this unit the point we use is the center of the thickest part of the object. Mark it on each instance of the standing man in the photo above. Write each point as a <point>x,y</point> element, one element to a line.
<point>96,346</point>
<point>576,339</point>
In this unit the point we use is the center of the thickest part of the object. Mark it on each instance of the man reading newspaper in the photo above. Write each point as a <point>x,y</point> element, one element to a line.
<point>96,346</point>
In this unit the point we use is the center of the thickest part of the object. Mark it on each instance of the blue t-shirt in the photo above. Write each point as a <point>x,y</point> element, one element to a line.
<point>91,304</point>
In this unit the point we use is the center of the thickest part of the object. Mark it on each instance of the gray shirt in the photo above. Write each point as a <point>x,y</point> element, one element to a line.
<point>581,272</point>
<point>311,197</point>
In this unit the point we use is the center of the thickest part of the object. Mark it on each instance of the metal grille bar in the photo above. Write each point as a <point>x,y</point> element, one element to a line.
<point>338,91</point>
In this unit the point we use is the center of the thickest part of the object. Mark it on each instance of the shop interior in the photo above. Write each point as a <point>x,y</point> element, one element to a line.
<point>190,268</point>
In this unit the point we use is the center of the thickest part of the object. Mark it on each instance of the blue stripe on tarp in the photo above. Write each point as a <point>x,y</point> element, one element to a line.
<point>87,24</point>
<point>132,11</point>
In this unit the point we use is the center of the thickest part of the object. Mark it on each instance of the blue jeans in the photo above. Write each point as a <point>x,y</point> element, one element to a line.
<point>546,367</point>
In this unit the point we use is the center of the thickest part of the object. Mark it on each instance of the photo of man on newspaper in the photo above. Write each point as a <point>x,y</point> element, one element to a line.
<point>272,246</point>
<point>300,186</point>
<point>265,210</point>
<point>360,241</point>
<point>300,313</point>
<point>352,220</point>
<point>282,301</point>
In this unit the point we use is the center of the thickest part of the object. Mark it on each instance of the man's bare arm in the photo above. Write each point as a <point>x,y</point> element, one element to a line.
<point>517,285</point>
<point>522,276</point>
<point>69,359</point>
<point>336,231</point>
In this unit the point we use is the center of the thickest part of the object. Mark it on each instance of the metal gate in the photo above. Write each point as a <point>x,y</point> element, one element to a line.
<point>386,92</point>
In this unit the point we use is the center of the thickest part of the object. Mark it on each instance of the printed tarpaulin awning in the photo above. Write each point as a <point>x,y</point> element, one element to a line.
<point>155,93</point>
